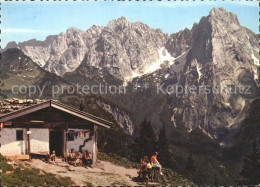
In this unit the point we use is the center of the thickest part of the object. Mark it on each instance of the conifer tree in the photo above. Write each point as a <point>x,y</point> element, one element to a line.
<point>250,170</point>
<point>145,143</point>
<point>165,156</point>
<point>215,180</point>
<point>190,166</point>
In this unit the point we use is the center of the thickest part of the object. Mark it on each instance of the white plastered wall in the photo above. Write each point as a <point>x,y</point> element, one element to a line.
<point>89,145</point>
<point>9,144</point>
<point>39,140</point>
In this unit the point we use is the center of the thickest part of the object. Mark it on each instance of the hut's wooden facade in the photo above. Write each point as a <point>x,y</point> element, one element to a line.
<point>48,126</point>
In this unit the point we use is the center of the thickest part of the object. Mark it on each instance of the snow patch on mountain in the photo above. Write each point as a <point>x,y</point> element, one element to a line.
<point>256,61</point>
<point>164,56</point>
<point>166,76</point>
<point>129,78</point>
<point>208,134</point>
<point>198,68</point>
<point>239,104</point>
<point>173,117</point>
<point>178,67</point>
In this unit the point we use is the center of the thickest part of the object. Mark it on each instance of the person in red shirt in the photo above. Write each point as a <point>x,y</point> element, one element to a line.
<point>155,162</point>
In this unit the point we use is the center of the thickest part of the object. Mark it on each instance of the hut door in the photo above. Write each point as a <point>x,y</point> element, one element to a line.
<point>56,142</point>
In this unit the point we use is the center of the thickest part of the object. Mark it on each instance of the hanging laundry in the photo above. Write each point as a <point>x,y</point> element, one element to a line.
<point>70,135</point>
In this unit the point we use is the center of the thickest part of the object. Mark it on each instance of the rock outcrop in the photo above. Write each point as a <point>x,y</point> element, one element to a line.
<point>125,48</point>
<point>122,47</point>
<point>125,120</point>
<point>60,53</point>
<point>222,58</point>
<point>180,42</point>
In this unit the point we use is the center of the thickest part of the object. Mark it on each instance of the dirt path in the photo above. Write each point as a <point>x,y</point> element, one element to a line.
<point>105,174</point>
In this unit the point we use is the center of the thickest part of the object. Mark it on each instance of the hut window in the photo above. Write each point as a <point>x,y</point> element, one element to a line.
<point>19,135</point>
<point>70,137</point>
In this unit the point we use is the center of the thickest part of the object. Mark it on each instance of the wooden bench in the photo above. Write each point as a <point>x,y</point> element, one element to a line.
<point>44,156</point>
<point>18,157</point>
<point>155,173</point>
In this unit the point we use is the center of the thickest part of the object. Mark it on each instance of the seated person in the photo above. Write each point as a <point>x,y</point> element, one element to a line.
<point>79,158</point>
<point>148,168</point>
<point>79,155</point>
<point>143,167</point>
<point>72,155</point>
<point>87,158</point>
<point>146,172</point>
<point>53,156</point>
<point>155,162</point>
<point>74,158</point>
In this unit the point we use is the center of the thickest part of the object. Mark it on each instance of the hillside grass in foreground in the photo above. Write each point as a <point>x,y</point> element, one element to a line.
<point>169,178</point>
<point>23,176</point>
<point>117,160</point>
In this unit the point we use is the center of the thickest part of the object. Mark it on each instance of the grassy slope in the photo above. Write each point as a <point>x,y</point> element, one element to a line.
<point>18,69</point>
<point>23,176</point>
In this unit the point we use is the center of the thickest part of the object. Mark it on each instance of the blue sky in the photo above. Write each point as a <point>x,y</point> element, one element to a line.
<point>22,21</point>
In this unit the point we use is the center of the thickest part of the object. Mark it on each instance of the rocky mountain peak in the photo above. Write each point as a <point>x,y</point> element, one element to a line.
<point>218,11</point>
<point>11,45</point>
<point>125,48</point>
<point>95,29</point>
<point>224,16</point>
<point>120,23</point>
<point>13,53</point>
<point>120,20</point>
<point>73,30</point>
<point>222,54</point>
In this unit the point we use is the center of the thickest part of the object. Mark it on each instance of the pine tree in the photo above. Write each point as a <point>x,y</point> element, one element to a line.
<point>145,143</point>
<point>250,170</point>
<point>190,166</point>
<point>215,180</point>
<point>165,156</point>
